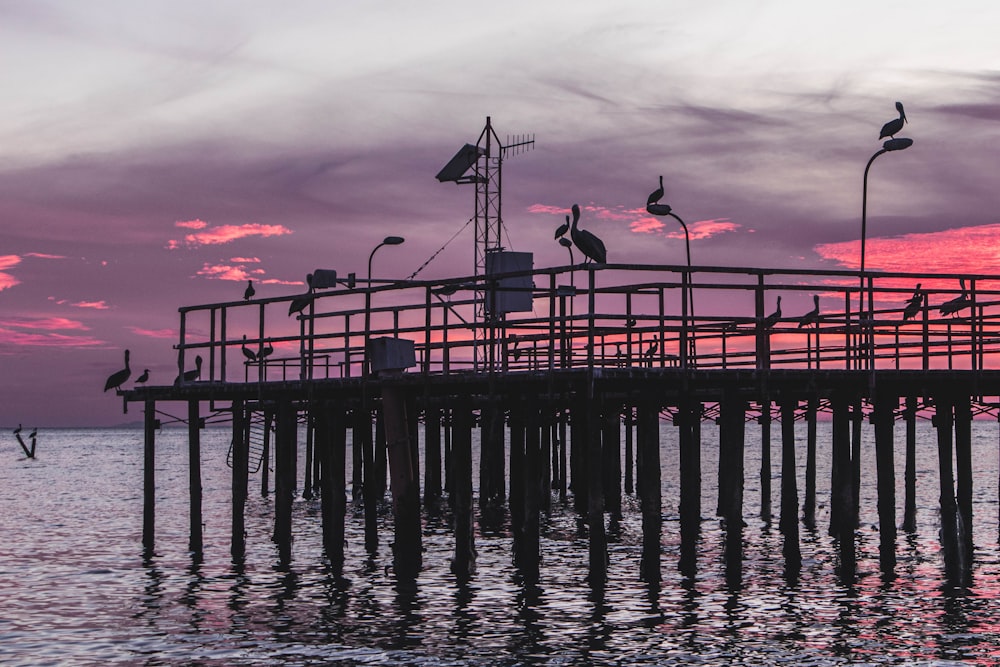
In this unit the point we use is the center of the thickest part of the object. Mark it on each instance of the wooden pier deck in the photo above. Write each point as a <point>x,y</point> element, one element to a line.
<point>558,365</point>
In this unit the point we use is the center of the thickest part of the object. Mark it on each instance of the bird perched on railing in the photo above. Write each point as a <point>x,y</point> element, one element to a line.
<point>958,303</point>
<point>812,317</point>
<point>191,375</point>
<point>914,303</point>
<point>118,379</point>
<point>895,125</point>
<point>249,292</point>
<point>300,303</point>
<point>773,318</point>
<point>247,352</point>
<point>588,243</point>
<point>265,352</point>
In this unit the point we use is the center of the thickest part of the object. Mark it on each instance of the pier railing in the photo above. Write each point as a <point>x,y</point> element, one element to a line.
<point>609,316</point>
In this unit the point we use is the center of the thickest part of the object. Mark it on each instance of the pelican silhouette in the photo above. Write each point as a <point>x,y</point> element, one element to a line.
<point>34,433</point>
<point>588,243</point>
<point>250,291</point>
<point>773,318</point>
<point>812,317</point>
<point>914,303</point>
<point>563,228</point>
<point>299,303</point>
<point>958,303</point>
<point>192,375</point>
<point>144,377</point>
<point>651,352</point>
<point>895,125</point>
<point>247,352</point>
<point>265,352</point>
<point>655,195</point>
<point>17,430</point>
<point>118,379</point>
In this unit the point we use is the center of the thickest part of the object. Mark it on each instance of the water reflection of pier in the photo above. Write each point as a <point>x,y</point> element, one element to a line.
<point>573,389</point>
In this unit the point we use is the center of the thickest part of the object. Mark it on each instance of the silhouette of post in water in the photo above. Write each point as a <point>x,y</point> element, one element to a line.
<point>809,503</point>
<point>648,464</point>
<point>952,543</point>
<point>149,478</point>
<point>240,463</point>
<point>194,478</point>
<point>463,564</point>
<point>28,451</point>
<point>789,522</point>
<point>910,473</point>
<point>331,449</point>
<point>731,434</point>
<point>404,484</point>
<point>885,407</point>
<point>841,486</point>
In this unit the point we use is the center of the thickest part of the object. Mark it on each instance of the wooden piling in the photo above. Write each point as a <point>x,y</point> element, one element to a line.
<point>463,564</point>
<point>515,499</point>
<point>240,463</point>
<point>789,521</point>
<point>404,484</point>
<point>149,478</point>
<point>765,460</point>
<point>963,469</point>
<point>491,458</point>
<point>195,544</point>
<point>951,542</point>
<point>530,551</point>
<point>358,444</point>
<point>578,435</point>
<point>432,455</point>
<point>331,450</point>
<point>884,418</point>
<point>809,503</point>
<point>688,421</point>
<point>370,486</point>
<point>307,491</point>
<point>611,465</point>
<point>910,472</point>
<point>544,423</point>
<point>285,449</point>
<point>266,455</point>
<point>842,486</point>
<point>857,421</point>
<point>732,433</point>
<point>595,488</point>
<point>650,501</point>
<point>629,423</point>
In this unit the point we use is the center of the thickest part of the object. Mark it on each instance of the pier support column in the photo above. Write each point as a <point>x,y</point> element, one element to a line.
<point>688,423</point>
<point>578,436</point>
<point>809,504</point>
<point>240,463</point>
<point>963,470</point>
<point>491,460</point>
<point>285,447</point>
<point>307,490</point>
<point>789,521</point>
<point>515,499</point>
<point>463,564</point>
<point>842,486</point>
<point>149,479</point>
<point>884,418</point>
<point>595,490</point>
<point>265,466</point>
<point>611,464</point>
<point>404,484</point>
<point>528,552</point>
<point>765,460</point>
<point>195,544</point>
<point>951,540</point>
<point>648,435</point>
<point>910,473</point>
<point>370,487</point>
<point>857,422</point>
<point>629,423</point>
<point>732,432</point>
<point>432,455</point>
<point>331,452</point>
<point>358,444</point>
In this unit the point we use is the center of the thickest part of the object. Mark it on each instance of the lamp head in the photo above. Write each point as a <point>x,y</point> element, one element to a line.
<point>658,209</point>
<point>393,240</point>
<point>897,144</point>
<point>565,242</point>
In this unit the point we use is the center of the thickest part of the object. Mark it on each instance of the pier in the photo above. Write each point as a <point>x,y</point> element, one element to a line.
<point>567,373</point>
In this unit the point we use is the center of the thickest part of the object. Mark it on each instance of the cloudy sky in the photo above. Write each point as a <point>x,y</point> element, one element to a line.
<point>159,154</point>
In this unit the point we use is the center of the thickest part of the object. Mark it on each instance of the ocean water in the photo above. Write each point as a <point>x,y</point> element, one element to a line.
<point>76,590</point>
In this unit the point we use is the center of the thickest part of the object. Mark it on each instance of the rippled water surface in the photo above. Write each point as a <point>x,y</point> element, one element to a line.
<point>75,589</point>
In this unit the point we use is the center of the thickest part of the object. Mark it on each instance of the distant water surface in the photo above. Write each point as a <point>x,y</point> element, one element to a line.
<point>75,589</point>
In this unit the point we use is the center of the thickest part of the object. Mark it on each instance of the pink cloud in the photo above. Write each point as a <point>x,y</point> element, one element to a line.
<point>96,305</point>
<point>224,272</point>
<point>647,225</point>
<point>10,337</point>
<point>7,262</point>
<point>46,324</point>
<point>42,255</point>
<point>191,224</point>
<point>245,260</point>
<point>705,229</point>
<point>153,333</point>
<point>228,233</point>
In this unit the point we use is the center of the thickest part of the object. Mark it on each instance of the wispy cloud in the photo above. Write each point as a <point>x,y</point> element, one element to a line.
<point>191,224</point>
<point>14,338</point>
<point>240,273</point>
<point>45,324</point>
<point>7,280</point>
<point>96,305</point>
<point>153,333</point>
<point>227,234</point>
<point>42,255</point>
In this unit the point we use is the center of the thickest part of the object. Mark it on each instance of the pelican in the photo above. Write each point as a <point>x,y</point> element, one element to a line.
<point>812,317</point>
<point>144,377</point>
<point>247,352</point>
<point>250,291</point>
<point>265,352</point>
<point>655,195</point>
<point>914,303</point>
<point>34,433</point>
<point>651,352</point>
<point>773,318</point>
<point>17,430</point>
<point>118,379</point>
<point>563,228</point>
<point>893,126</point>
<point>299,303</point>
<point>958,303</point>
<point>192,375</point>
<point>589,245</point>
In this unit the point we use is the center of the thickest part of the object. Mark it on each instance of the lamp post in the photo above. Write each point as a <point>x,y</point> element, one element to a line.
<point>687,305</point>
<point>889,146</point>
<point>388,240</point>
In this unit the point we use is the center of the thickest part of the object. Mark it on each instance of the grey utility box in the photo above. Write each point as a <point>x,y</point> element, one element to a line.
<point>391,354</point>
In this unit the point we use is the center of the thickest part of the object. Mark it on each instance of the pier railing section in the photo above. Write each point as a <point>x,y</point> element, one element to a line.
<point>608,316</point>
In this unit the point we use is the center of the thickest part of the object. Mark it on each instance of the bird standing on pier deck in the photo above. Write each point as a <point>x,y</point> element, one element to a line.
<point>812,317</point>
<point>247,352</point>
<point>588,243</point>
<point>958,303</point>
<point>250,291</point>
<point>773,318</point>
<point>118,379</point>
<point>893,126</point>
<point>192,375</point>
<point>144,377</point>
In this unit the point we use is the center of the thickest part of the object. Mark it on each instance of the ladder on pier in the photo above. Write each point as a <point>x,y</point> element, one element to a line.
<point>255,457</point>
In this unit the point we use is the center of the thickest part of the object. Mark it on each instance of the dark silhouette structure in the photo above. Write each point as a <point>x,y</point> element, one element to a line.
<point>960,302</point>
<point>812,317</point>
<point>116,380</point>
<point>774,317</point>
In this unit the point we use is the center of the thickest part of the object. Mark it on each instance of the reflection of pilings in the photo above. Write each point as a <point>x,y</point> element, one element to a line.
<point>194,477</point>
<point>461,456</point>
<point>241,456</point>
<point>885,407</point>
<point>149,478</point>
<point>648,462</point>
<point>789,522</point>
<point>910,473</point>
<point>809,504</point>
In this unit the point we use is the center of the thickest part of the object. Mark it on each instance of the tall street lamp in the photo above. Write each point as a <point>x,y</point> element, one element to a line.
<point>653,207</point>
<point>388,240</point>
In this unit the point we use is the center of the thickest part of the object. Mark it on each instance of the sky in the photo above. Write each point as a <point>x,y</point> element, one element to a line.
<point>156,155</point>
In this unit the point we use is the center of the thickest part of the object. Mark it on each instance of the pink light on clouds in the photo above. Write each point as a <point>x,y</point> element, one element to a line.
<point>964,249</point>
<point>46,324</point>
<point>42,255</point>
<point>229,233</point>
<point>153,333</point>
<point>245,260</point>
<point>96,305</point>
<point>191,224</point>
<point>14,338</point>
<point>705,229</point>
<point>8,262</point>
<point>224,272</point>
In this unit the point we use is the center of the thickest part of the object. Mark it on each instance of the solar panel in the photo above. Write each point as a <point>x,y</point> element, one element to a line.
<point>467,156</point>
